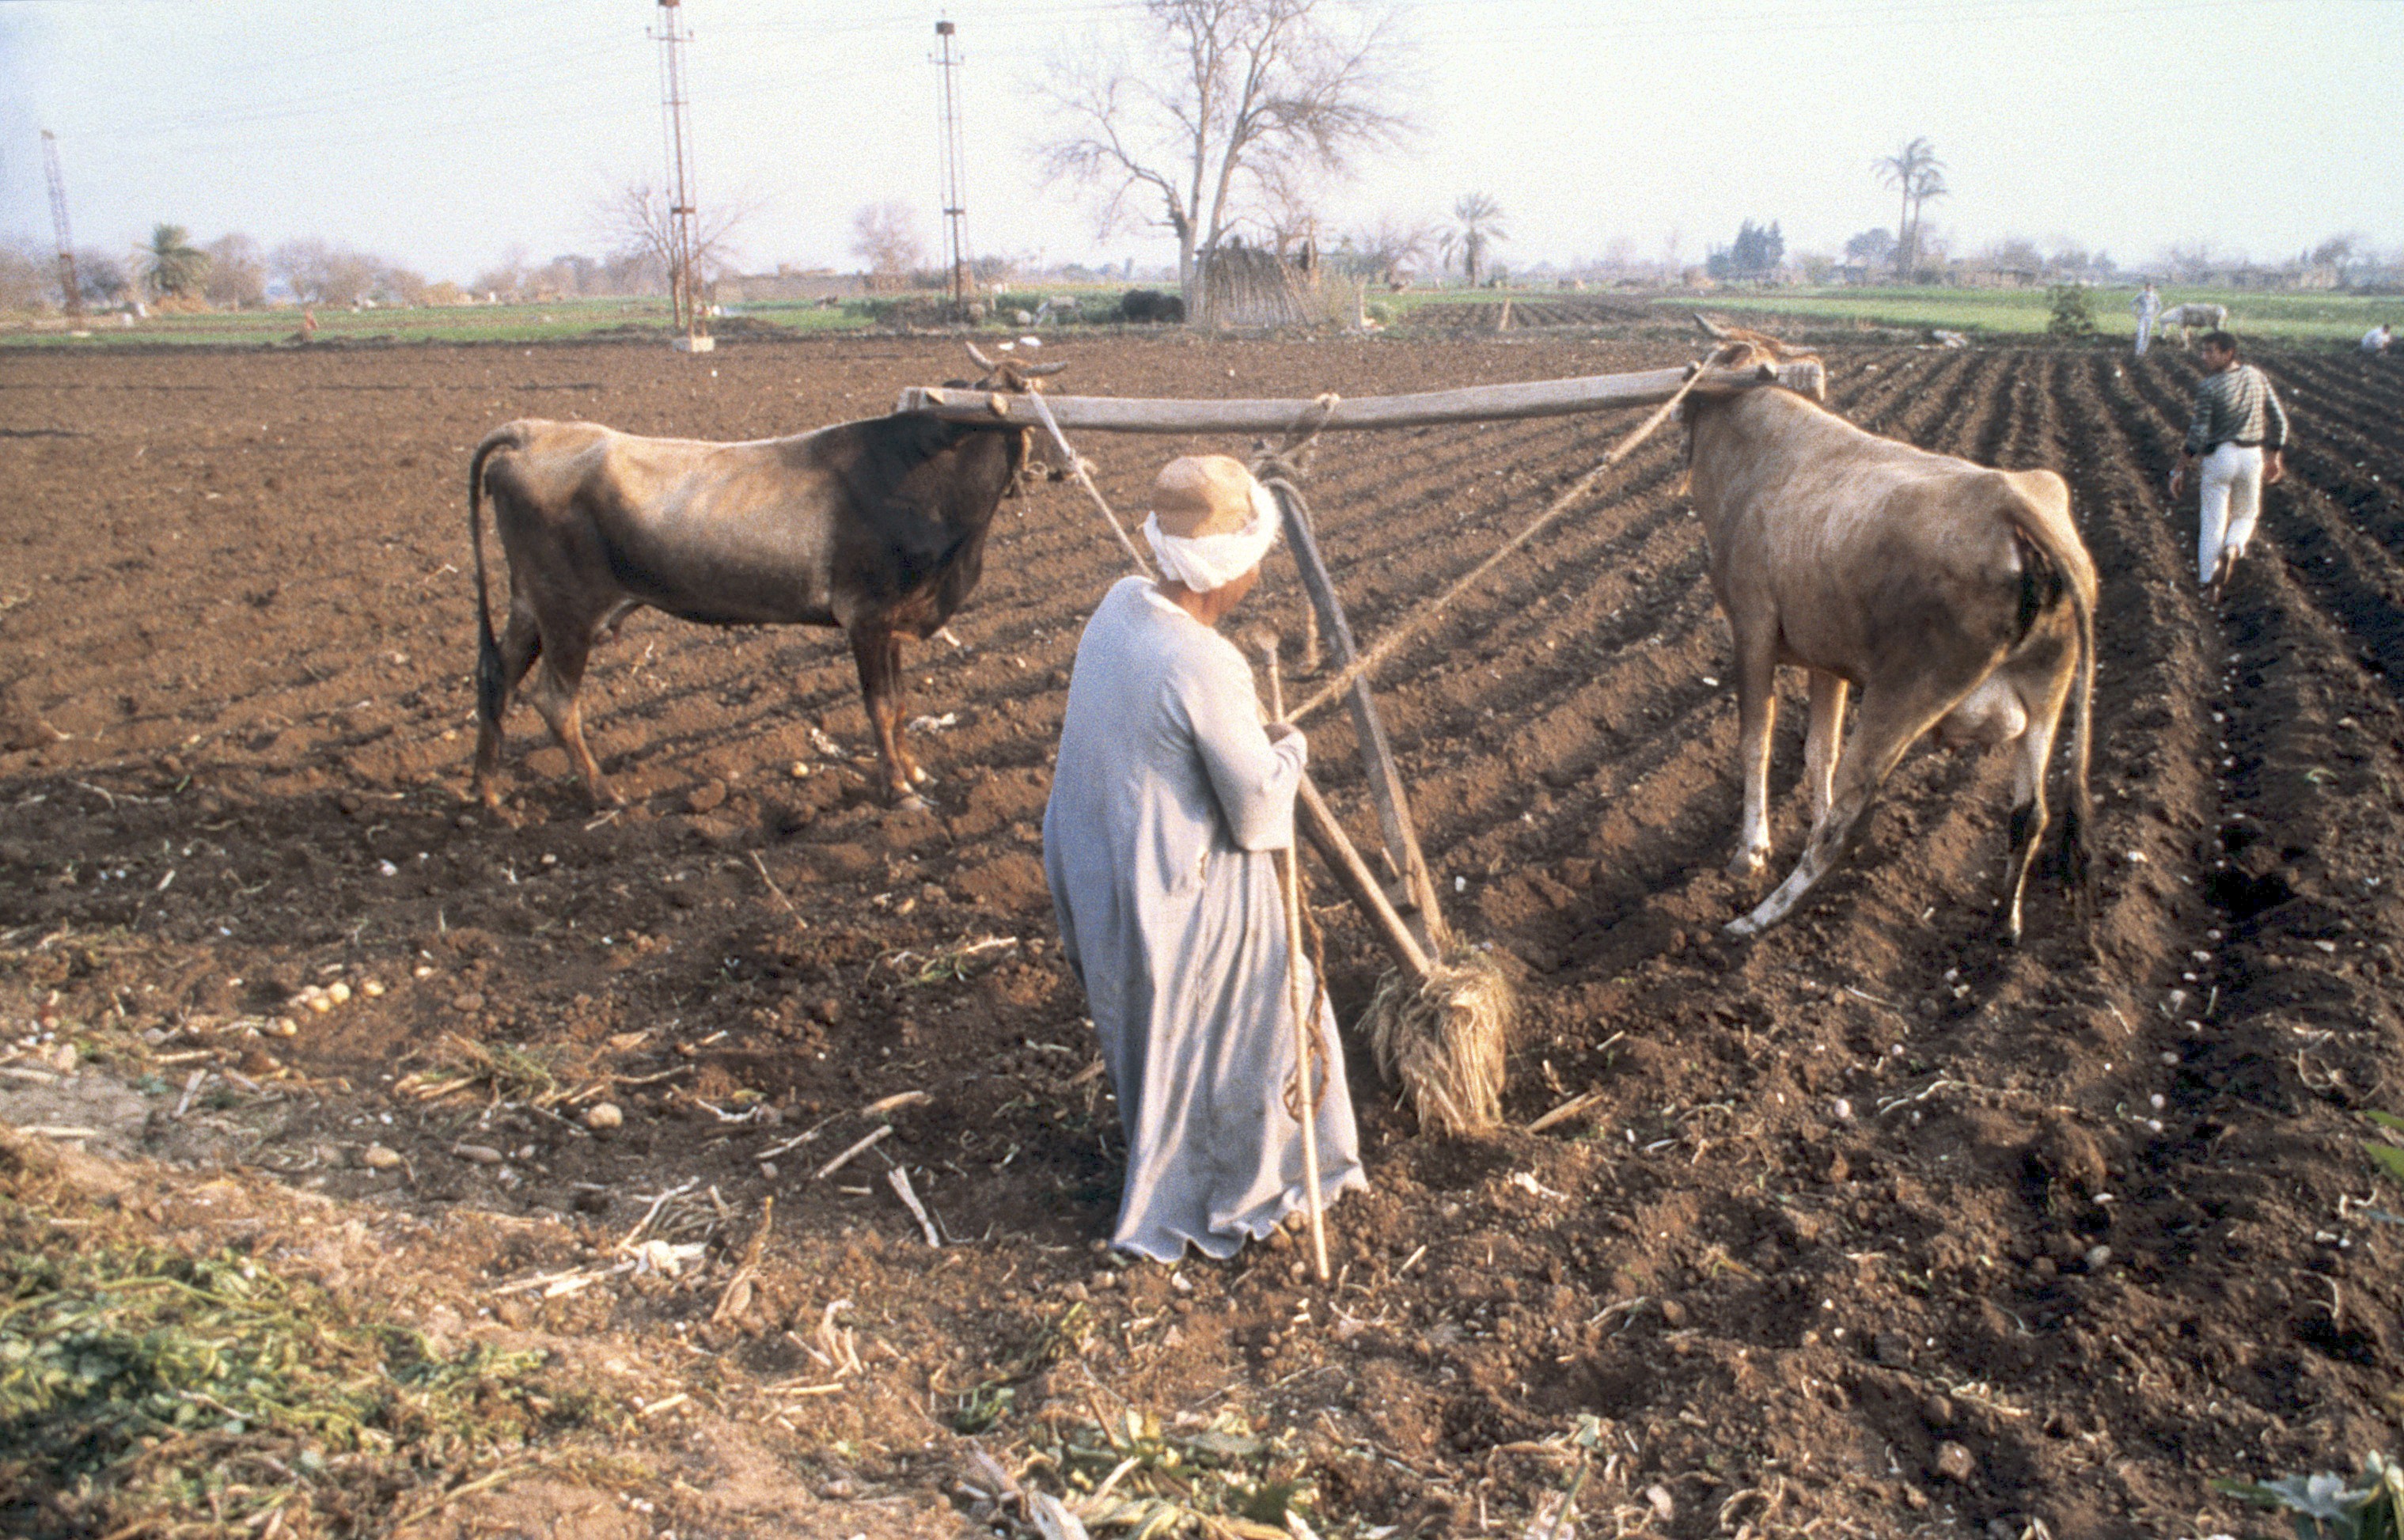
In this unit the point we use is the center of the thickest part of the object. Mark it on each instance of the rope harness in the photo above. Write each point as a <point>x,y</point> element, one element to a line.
<point>1412,625</point>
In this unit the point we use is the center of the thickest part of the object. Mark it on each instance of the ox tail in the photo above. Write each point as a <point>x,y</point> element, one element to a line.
<point>491,687</point>
<point>2060,548</point>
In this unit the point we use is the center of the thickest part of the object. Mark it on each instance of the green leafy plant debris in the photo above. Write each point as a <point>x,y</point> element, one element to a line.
<point>2390,1159</point>
<point>141,1387</point>
<point>2331,1507</point>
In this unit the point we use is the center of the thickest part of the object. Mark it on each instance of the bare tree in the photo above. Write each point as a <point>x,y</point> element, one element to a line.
<point>28,275</point>
<point>102,277</point>
<point>1477,224</point>
<point>506,278</point>
<point>2337,252</point>
<point>636,223</point>
<point>885,236</point>
<point>1227,97</point>
<point>322,273</point>
<point>1385,252</point>
<point>1917,175</point>
<point>237,273</point>
<point>302,265</point>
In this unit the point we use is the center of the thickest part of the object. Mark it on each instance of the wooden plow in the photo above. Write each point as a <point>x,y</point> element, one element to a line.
<point>1438,1022</point>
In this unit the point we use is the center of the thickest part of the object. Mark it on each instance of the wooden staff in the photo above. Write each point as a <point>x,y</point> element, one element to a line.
<point>1290,882</point>
<point>1384,776</point>
<point>1317,824</point>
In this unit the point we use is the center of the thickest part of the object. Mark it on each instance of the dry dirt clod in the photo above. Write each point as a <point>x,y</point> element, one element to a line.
<point>603,1115</point>
<point>377,1157</point>
<point>1938,1412</point>
<point>1955,1462</point>
<point>481,1155</point>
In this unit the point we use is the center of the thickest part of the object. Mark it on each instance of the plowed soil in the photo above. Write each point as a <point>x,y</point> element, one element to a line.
<point>1867,1188</point>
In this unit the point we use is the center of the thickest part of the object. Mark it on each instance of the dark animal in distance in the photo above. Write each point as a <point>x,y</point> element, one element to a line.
<point>1150,304</point>
<point>877,527</point>
<point>1954,597</point>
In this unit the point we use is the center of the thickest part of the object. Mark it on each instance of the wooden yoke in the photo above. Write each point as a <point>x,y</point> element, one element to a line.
<point>1376,752</point>
<point>1470,404</point>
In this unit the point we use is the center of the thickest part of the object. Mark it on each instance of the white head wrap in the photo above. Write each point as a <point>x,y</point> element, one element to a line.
<point>1204,562</point>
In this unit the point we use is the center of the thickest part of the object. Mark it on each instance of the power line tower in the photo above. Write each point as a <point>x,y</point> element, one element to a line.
<point>675,110</point>
<point>68,283</point>
<point>956,239</point>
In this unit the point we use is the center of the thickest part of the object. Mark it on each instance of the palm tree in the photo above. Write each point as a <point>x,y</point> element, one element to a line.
<point>1929,184</point>
<point>171,264</point>
<point>1917,173</point>
<point>1477,223</point>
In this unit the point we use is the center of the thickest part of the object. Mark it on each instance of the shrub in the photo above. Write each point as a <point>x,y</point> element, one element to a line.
<point>2074,314</point>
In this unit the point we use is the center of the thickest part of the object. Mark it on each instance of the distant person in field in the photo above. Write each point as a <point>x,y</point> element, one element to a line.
<point>2148,307</point>
<point>2375,340</point>
<point>2239,436</point>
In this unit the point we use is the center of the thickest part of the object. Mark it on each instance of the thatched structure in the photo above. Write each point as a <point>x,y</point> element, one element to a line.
<point>1241,285</point>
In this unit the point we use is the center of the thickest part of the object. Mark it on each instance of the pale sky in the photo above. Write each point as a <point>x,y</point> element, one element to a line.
<point>442,133</point>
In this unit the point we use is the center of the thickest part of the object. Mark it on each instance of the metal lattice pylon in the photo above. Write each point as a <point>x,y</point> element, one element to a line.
<point>676,112</point>
<point>67,283</point>
<point>956,239</point>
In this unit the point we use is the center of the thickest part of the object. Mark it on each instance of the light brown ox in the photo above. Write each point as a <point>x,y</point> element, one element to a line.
<point>1951,595</point>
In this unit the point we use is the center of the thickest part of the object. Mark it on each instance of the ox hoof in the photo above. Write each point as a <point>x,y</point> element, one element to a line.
<point>911,802</point>
<point>1749,863</point>
<point>1744,929</point>
<point>918,777</point>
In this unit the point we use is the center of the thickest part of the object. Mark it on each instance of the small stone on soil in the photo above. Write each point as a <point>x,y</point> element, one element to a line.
<point>376,1157</point>
<point>603,1115</point>
<point>1954,1463</point>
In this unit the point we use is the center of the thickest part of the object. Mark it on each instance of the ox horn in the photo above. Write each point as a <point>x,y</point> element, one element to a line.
<point>1036,370</point>
<point>1711,327</point>
<point>975,352</point>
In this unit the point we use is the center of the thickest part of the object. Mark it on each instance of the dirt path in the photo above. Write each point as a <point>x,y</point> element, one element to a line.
<point>1862,1190</point>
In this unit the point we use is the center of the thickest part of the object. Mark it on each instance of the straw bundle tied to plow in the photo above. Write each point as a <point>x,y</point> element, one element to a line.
<point>1441,1036</point>
<point>1437,1027</point>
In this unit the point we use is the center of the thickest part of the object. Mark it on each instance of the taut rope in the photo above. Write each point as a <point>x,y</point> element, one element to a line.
<point>1077,466</point>
<point>1391,643</point>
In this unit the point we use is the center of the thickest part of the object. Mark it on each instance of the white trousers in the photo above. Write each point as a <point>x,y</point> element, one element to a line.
<point>2144,333</point>
<point>2231,485</point>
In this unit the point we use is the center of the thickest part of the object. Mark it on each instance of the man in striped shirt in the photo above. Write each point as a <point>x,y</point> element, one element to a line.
<point>2239,434</point>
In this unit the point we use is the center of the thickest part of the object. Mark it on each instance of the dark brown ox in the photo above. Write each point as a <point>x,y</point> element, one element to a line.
<point>877,527</point>
<point>1951,595</point>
